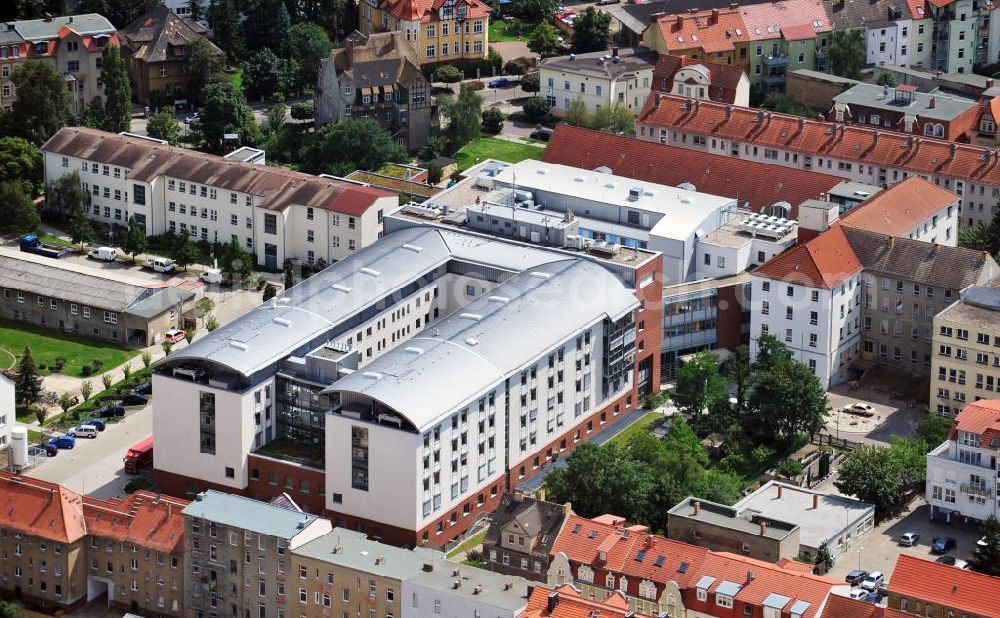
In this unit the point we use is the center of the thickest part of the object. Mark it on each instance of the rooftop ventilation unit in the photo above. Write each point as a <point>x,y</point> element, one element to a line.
<point>282,321</point>
<point>341,288</point>
<point>413,248</point>
<point>471,316</point>
<point>239,345</point>
<point>634,194</point>
<point>371,272</point>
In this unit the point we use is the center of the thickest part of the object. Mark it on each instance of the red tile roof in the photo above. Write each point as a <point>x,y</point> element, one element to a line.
<point>823,262</point>
<point>144,519</point>
<point>849,143</point>
<point>794,565</point>
<point>945,586</point>
<point>845,607</point>
<point>426,10</point>
<point>981,417</point>
<point>572,605</point>
<point>582,546</point>
<point>772,20</point>
<point>40,508</point>
<point>720,75</point>
<point>804,32</point>
<point>901,208</point>
<point>705,30</point>
<point>759,184</point>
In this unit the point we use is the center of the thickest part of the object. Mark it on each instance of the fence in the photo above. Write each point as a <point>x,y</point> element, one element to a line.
<point>828,440</point>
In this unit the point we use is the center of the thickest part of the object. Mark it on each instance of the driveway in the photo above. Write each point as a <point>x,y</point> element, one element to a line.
<point>879,549</point>
<point>94,467</point>
<point>893,417</point>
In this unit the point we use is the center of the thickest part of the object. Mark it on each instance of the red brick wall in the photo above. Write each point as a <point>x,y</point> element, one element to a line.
<point>650,314</point>
<point>729,322</point>
<point>262,489</point>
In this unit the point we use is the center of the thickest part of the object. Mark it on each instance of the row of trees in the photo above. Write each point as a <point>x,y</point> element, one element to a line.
<point>591,33</point>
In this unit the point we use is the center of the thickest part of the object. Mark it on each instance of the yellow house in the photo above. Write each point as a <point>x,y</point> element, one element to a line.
<point>440,30</point>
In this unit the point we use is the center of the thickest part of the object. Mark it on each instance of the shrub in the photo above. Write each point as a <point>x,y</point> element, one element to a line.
<point>147,359</point>
<point>477,85</point>
<point>789,468</point>
<point>513,68</point>
<point>303,111</point>
<point>86,370</point>
<point>434,172</point>
<point>43,366</point>
<point>448,74</point>
<point>98,364</point>
<point>492,120</point>
<point>655,400</point>
<point>211,323</point>
<point>530,82</point>
<point>535,108</point>
<point>270,292</point>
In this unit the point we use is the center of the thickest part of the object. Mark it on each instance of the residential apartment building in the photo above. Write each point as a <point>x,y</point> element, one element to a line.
<point>906,110</point>
<point>449,589</point>
<point>7,411</point>
<point>338,359</point>
<point>784,37</point>
<point>703,80</point>
<point>441,32</point>
<point>926,588</point>
<point>962,472</point>
<point>954,34</point>
<point>965,361</point>
<point>567,601</point>
<point>597,80</point>
<point>985,130</point>
<point>655,576</point>
<point>52,294</point>
<point>274,212</point>
<point>724,528</point>
<point>377,76</point>
<point>716,35</point>
<point>889,30</point>
<point>857,153</point>
<point>73,43</point>
<point>155,47</point>
<point>237,559</point>
<point>521,533</point>
<point>135,553</point>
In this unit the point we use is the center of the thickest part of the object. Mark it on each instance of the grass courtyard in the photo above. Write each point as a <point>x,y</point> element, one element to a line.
<point>483,148</point>
<point>47,345</point>
<point>642,425</point>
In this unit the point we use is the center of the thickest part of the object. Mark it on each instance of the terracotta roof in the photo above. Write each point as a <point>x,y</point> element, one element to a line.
<point>849,143</point>
<point>759,184</point>
<point>570,604</point>
<point>982,417</point>
<point>901,208</point>
<point>945,586</point>
<point>277,187</point>
<point>720,75</point>
<point>770,20</point>
<point>426,10</point>
<point>846,607</point>
<point>706,30</point>
<point>150,37</point>
<point>767,578</point>
<point>823,262</point>
<point>921,262</point>
<point>581,539</point>
<point>40,508</point>
<point>144,519</point>
<point>794,565</point>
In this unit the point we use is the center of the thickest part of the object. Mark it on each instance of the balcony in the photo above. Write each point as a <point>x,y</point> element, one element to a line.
<point>774,79</point>
<point>780,60</point>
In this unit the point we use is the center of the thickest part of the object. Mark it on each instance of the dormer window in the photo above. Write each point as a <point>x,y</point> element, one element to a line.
<point>723,600</point>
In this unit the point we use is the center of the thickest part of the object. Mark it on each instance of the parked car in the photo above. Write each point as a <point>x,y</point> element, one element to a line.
<point>67,442</point>
<point>104,254</point>
<point>110,411</point>
<point>873,581</point>
<point>96,423</point>
<point>173,335</point>
<point>909,539</point>
<point>160,265</point>
<point>44,447</point>
<point>856,576</point>
<point>874,598</point>
<point>857,593</point>
<point>942,544</point>
<point>542,135</point>
<point>146,388</point>
<point>83,431</point>
<point>212,275</point>
<point>607,2</point>
<point>500,82</point>
<point>134,399</point>
<point>195,117</point>
<point>860,409</point>
<point>949,560</point>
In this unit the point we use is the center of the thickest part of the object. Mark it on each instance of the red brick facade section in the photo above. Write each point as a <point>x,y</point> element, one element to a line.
<point>729,319</point>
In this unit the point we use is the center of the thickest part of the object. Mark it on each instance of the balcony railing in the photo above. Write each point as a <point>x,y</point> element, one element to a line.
<point>780,60</point>
<point>774,79</point>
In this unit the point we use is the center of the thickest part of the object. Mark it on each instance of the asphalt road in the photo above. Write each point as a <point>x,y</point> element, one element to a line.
<point>94,467</point>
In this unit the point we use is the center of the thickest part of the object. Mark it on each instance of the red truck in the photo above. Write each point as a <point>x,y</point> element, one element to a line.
<point>139,456</point>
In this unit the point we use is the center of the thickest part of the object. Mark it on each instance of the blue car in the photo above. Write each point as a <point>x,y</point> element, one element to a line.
<point>96,423</point>
<point>67,442</point>
<point>501,82</point>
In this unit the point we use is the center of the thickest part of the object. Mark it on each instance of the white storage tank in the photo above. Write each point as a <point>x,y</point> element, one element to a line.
<point>19,447</point>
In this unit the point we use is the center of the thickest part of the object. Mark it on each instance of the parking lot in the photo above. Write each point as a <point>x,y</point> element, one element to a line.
<point>878,550</point>
<point>894,416</point>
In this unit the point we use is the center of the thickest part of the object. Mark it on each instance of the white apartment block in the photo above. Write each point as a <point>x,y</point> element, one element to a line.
<point>429,370</point>
<point>598,79</point>
<point>888,42</point>
<point>272,212</point>
<point>7,412</point>
<point>857,153</point>
<point>962,472</point>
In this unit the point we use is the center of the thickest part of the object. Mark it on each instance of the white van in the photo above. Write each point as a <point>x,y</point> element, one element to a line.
<point>161,265</point>
<point>83,431</point>
<point>212,275</point>
<point>104,254</point>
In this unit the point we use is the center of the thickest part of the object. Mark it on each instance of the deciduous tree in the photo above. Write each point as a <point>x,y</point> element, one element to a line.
<point>530,82</point>
<point>535,10</point>
<point>544,40</point>
<point>224,17</point>
<point>986,555</point>
<point>591,31</point>
<point>134,241</point>
<point>226,111</point>
<point>265,73</point>
<point>847,52</point>
<point>463,116</point>
<point>117,91</point>
<point>699,384</point>
<point>205,65</point>
<point>65,196</point>
<point>43,103</point>
<point>787,401</point>
<point>183,251</point>
<point>21,163</point>
<point>309,44</point>
<point>163,125</point>
<point>349,145</point>
<point>28,386</point>
<point>934,429</point>
<point>80,227</point>
<point>17,211</point>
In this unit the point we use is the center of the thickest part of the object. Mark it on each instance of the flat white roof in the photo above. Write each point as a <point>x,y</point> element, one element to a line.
<point>683,211</point>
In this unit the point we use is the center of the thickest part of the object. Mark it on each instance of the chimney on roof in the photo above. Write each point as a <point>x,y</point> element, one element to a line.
<point>891,241</point>
<point>714,18</point>
<point>779,491</point>
<point>759,118</point>
<point>916,146</point>
<point>908,143</point>
<point>429,567</point>
<point>875,137</point>
<point>567,509</point>
<point>763,527</point>
<point>952,147</point>
<point>540,494</point>
<point>456,584</point>
<point>989,83</point>
<point>553,601</point>
<point>729,112</point>
<point>680,22</point>
<point>815,501</point>
<point>697,106</point>
<point>477,590</point>
<point>750,576</point>
<point>508,585</point>
<point>932,103</point>
<point>697,507</point>
<point>842,130</point>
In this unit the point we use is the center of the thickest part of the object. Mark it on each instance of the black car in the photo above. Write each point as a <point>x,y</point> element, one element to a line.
<point>110,411</point>
<point>50,450</point>
<point>146,388</point>
<point>949,560</point>
<point>942,544</point>
<point>542,135</point>
<point>134,399</point>
<point>855,577</point>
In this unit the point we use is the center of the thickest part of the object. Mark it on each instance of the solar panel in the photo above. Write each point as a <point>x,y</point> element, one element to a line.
<point>683,568</point>
<point>660,560</point>
<point>640,556</point>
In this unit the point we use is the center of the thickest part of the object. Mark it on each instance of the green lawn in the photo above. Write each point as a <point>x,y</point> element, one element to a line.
<point>483,148</point>
<point>468,544</point>
<point>238,80</point>
<point>47,238</point>
<point>48,344</point>
<point>513,31</point>
<point>640,426</point>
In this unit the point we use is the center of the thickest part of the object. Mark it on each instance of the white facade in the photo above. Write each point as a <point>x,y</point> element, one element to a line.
<point>888,43</point>
<point>962,478</point>
<point>171,204</point>
<point>482,593</point>
<point>561,84</point>
<point>7,413</point>
<point>820,326</point>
